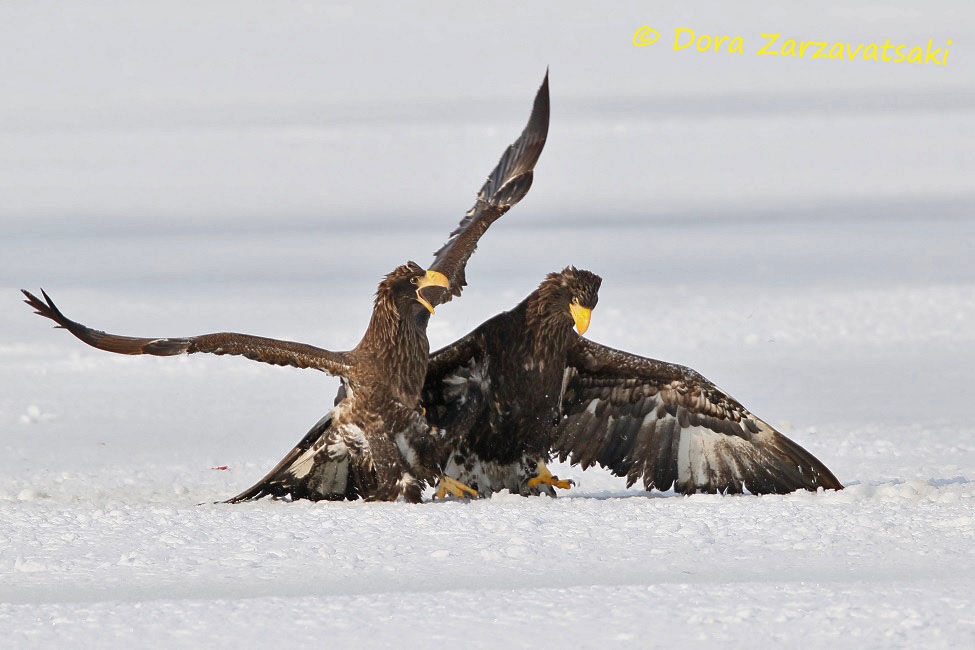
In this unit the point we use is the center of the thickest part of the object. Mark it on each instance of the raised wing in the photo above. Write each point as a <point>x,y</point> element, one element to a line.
<point>669,426</point>
<point>507,184</point>
<point>279,353</point>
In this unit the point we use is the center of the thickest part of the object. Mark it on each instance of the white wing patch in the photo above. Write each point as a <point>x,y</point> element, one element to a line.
<point>337,444</point>
<point>337,450</point>
<point>354,436</point>
<point>703,456</point>
<point>456,385</point>
<point>303,464</point>
<point>406,449</point>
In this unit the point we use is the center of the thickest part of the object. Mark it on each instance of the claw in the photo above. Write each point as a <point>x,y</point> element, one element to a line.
<point>455,488</point>
<point>546,477</point>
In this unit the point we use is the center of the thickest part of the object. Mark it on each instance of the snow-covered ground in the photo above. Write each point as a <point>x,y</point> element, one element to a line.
<point>801,234</point>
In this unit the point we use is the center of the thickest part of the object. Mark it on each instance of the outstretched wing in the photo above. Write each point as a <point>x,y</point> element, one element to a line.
<point>507,184</point>
<point>668,425</point>
<point>279,353</point>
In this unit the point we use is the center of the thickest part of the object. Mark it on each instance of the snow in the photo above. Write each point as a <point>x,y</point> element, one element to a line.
<point>800,234</point>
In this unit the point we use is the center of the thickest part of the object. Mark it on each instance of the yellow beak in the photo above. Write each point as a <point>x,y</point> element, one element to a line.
<point>431,279</point>
<point>581,316</point>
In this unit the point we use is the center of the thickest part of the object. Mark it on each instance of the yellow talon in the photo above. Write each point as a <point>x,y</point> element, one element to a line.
<point>456,489</point>
<point>546,477</point>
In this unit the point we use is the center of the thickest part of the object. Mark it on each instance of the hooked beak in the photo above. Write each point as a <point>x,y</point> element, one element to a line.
<point>431,279</point>
<point>581,316</point>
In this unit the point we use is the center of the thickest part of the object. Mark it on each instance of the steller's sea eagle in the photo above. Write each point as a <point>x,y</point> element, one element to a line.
<point>524,386</point>
<point>375,443</point>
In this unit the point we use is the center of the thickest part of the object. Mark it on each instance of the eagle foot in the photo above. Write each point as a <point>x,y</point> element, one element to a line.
<point>455,488</point>
<point>547,478</point>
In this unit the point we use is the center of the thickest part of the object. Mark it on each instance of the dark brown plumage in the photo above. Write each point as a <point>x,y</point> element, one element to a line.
<point>384,373</point>
<point>524,386</point>
<point>375,443</point>
<point>507,184</point>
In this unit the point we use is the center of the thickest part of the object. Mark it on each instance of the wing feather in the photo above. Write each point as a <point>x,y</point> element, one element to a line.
<point>507,184</point>
<point>456,389</point>
<point>668,426</point>
<point>312,470</point>
<point>272,351</point>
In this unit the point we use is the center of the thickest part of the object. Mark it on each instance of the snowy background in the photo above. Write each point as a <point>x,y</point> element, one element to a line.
<point>799,231</point>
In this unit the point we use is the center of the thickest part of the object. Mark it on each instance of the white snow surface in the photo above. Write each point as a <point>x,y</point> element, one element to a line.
<point>800,232</point>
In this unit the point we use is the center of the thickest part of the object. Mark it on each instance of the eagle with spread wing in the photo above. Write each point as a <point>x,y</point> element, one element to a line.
<point>375,443</point>
<point>524,386</point>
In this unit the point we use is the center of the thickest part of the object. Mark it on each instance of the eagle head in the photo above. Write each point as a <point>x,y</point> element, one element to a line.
<point>572,293</point>
<point>411,289</point>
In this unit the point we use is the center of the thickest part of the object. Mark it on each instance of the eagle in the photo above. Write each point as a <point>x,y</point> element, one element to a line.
<point>375,443</point>
<point>524,387</point>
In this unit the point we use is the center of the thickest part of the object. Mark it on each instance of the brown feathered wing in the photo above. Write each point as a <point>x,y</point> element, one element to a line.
<point>308,471</point>
<point>669,426</point>
<point>273,351</point>
<point>456,389</point>
<point>507,184</point>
